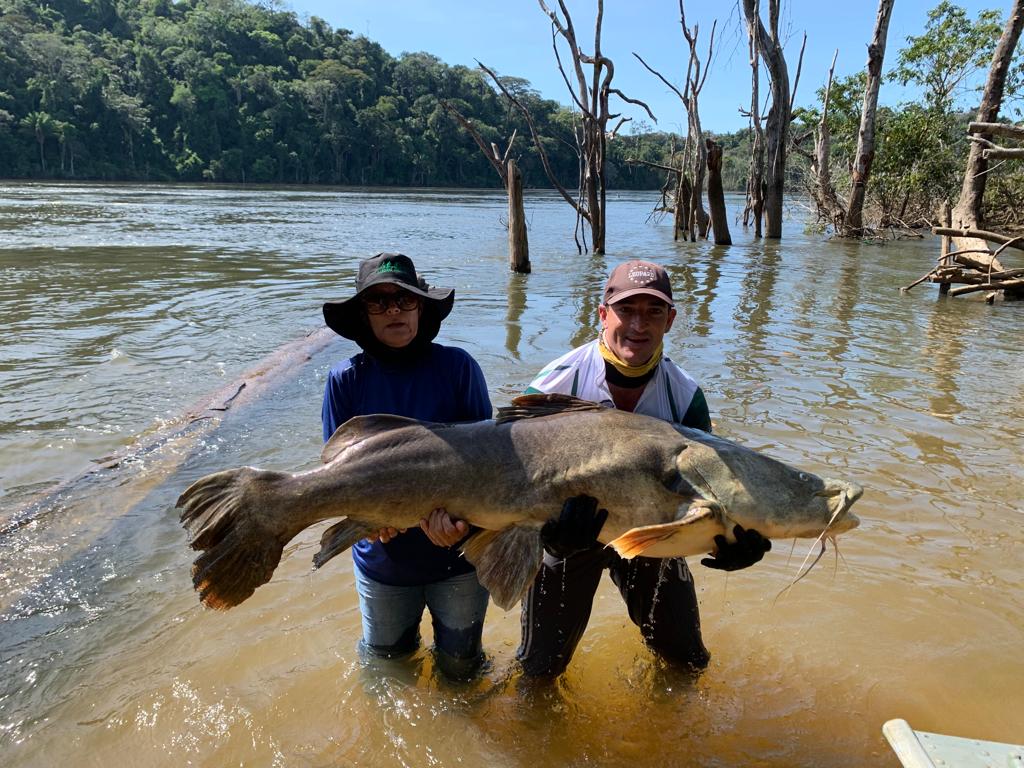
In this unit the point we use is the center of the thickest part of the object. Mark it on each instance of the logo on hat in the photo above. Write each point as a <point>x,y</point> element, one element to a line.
<point>642,274</point>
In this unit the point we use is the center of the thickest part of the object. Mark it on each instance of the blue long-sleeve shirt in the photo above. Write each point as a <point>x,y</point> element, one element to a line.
<point>446,385</point>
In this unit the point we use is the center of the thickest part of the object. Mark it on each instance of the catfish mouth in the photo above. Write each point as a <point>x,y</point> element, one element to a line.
<point>840,497</point>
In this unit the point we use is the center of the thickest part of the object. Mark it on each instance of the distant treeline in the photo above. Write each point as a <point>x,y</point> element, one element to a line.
<point>227,91</point>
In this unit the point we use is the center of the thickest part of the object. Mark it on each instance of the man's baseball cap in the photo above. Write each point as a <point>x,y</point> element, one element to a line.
<point>635,277</point>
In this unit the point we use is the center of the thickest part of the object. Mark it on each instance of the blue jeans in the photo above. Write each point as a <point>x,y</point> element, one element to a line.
<point>391,620</point>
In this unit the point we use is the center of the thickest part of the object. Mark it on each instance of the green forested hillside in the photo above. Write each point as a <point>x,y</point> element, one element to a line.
<point>224,90</point>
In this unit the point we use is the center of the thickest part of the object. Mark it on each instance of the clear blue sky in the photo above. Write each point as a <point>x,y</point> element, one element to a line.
<point>513,37</point>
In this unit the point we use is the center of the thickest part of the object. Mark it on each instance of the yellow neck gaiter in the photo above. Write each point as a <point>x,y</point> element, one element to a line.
<point>632,371</point>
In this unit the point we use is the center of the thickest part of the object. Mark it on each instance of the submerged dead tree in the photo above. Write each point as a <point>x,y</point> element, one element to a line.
<point>830,209</point>
<point>865,155</point>
<point>590,101</point>
<point>848,220</point>
<point>690,216</point>
<point>512,181</point>
<point>716,195</point>
<point>968,214</point>
<point>769,46</point>
<point>754,205</point>
<point>977,268</point>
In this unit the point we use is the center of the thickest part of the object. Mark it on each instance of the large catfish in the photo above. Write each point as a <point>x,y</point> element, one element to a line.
<point>669,491</point>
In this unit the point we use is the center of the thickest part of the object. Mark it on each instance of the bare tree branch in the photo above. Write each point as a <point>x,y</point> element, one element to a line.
<point>999,129</point>
<point>796,80</point>
<point>661,77</point>
<point>711,46</point>
<point>490,153</point>
<point>536,138</point>
<point>649,164</point>
<point>639,103</point>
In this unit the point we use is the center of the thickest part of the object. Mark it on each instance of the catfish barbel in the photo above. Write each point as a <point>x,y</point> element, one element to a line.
<point>669,490</point>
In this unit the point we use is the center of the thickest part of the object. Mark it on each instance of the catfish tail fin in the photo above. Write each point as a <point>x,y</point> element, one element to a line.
<point>239,553</point>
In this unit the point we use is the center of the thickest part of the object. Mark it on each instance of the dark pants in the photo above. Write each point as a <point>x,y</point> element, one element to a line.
<point>659,595</point>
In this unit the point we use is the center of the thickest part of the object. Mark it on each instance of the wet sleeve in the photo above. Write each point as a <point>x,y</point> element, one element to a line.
<point>697,415</point>
<point>336,409</point>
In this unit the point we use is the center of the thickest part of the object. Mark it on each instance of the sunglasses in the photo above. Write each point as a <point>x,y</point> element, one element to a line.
<point>378,305</point>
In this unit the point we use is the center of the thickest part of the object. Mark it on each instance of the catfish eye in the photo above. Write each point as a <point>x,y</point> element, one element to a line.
<point>803,477</point>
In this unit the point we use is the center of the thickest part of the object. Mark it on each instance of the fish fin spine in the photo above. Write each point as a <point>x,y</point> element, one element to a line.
<point>338,538</point>
<point>535,405</point>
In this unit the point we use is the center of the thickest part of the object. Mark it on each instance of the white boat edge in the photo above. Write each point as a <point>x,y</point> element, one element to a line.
<point>920,749</point>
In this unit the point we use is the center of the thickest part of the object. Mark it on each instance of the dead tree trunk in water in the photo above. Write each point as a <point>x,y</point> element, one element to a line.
<point>681,210</point>
<point>716,195</point>
<point>754,204</point>
<point>945,242</point>
<point>866,135</point>
<point>518,247</point>
<point>512,181</point>
<point>699,219</point>
<point>968,213</point>
<point>779,116</point>
<point>829,208</point>
<point>690,215</point>
<point>591,100</point>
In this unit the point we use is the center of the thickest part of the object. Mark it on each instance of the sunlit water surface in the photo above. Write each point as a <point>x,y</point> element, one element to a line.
<point>122,306</point>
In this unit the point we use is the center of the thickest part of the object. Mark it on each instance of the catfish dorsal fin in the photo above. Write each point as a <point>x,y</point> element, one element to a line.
<point>540,404</point>
<point>359,428</point>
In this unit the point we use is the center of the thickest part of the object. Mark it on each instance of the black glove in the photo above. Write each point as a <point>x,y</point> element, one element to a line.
<point>576,528</point>
<point>748,549</point>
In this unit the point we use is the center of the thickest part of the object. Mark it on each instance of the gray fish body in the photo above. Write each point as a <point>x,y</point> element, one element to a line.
<point>668,491</point>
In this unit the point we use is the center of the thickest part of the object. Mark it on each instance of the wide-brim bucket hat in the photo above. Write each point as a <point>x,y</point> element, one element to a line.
<point>347,317</point>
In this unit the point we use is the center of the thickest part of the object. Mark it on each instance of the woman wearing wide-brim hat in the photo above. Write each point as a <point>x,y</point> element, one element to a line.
<point>394,317</point>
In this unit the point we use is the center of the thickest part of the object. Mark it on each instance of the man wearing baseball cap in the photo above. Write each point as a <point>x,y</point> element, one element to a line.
<point>624,367</point>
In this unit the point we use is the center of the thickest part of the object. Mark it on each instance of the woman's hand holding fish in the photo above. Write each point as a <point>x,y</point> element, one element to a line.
<point>443,529</point>
<point>384,535</point>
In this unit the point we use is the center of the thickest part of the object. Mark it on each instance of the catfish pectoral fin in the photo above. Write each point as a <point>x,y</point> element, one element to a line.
<point>338,538</point>
<point>506,561</point>
<point>689,536</point>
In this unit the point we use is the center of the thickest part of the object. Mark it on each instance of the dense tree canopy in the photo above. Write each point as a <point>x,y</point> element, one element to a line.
<point>224,90</point>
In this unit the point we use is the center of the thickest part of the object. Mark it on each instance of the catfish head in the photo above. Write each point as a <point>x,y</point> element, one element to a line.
<point>760,492</point>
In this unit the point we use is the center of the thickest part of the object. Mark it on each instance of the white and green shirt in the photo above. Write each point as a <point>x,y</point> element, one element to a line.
<point>672,394</point>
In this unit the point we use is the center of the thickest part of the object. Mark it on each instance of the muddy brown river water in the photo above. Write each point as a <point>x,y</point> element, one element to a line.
<point>120,306</point>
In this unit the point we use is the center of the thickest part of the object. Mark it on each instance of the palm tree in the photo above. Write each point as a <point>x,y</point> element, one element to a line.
<point>41,124</point>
